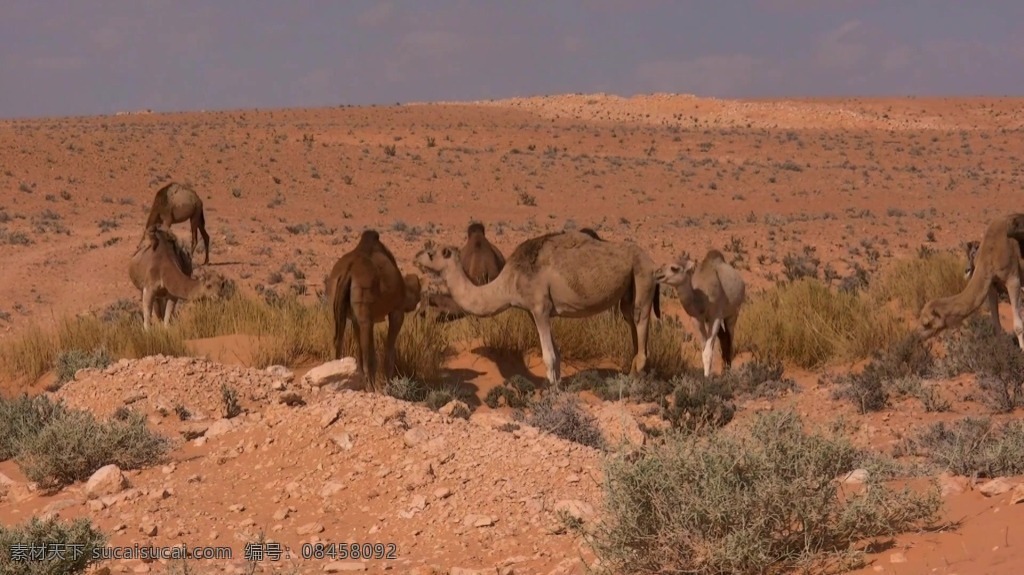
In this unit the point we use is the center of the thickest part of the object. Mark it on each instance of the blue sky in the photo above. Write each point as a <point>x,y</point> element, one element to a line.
<point>74,57</point>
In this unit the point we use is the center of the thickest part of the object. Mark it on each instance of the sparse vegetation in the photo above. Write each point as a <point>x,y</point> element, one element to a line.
<point>77,539</point>
<point>764,499</point>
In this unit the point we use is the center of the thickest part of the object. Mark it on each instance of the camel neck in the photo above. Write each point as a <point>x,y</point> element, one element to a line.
<point>483,301</point>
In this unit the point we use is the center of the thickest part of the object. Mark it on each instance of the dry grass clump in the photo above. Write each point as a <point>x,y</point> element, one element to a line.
<point>809,325</point>
<point>759,500</point>
<point>78,539</point>
<point>286,331</point>
<point>912,282</point>
<point>970,446</point>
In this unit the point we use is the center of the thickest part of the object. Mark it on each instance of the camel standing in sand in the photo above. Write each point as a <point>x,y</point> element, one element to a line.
<point>972,251</point>
<point>175,203</point>
<point>567,274</point>
<point>162,271</point>
<point>482,262</point>
<point>997,262</point>
<point>712,293</point>
<point>366,286</point>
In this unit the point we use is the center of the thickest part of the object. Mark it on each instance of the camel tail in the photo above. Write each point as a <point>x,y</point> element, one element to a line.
<point>657,300</point>
<point>340,308</point>
<point>725,341</point>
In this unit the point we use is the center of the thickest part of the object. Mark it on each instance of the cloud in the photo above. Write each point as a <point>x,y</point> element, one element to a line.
<point>843,47</point>
<point>712,75</point>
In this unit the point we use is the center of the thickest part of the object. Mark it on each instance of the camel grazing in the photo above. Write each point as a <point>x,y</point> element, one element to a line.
<point>481,260</point>
<point>365,286</point>
<point>175,203</point>
<point>997,262</point>
<point>162,270</point>
<point>712,293</point>
<point>567,274</point>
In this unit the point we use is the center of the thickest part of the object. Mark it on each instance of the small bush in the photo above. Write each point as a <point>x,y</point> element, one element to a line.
<point>700,405</point>
<point>229,400</point>
<point>765,500</point>
<point>22,418</point>
<point>406,389</point>
<point>971,445</point>
<point>907,360</point>
<point>76,539</point>
<point>515,392</point>
<point>441,397</point>
<point>560,414</point>
<point>995,357</point>
<point>73,445</point>
<point>70,361</point>
<point>760,377</point>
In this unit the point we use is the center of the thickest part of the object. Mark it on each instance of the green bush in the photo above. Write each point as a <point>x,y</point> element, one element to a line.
<point>77,539</point>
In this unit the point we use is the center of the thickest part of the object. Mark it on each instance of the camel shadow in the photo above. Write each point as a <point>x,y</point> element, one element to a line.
<point>459,378</point>
<point>510,364</point>
<point>211,264</point>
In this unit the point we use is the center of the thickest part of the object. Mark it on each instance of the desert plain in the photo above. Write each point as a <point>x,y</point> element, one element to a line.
<point>869,200</point>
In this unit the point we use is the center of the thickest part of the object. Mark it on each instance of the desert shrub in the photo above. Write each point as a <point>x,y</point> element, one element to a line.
<point>809,325</point>
<point>914,281</point>
<point>438,398</point>
<point>73,445</point>
<point>700,405</point>
<point>762,499</point>
<point>406,389</point>
<point>22,418</point>
<point>560,414</point>
<point>760,377</point>
<point>995,357</point>
<point>516,392</point>
<point>229,401</point>
<point>971,445</point>
<point>70,361</point>
<point>77,540</point>
<point>897,369</point>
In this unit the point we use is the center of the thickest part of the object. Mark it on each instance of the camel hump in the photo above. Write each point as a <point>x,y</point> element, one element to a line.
<point>475,228</point>
<point>714,257</point>
<point>1015,227</point>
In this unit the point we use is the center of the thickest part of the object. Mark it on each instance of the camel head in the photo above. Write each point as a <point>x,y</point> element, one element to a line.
<point>934,318</point>
<point>436,259</point>
<point>413,292</point>
<point>675,274</point>
<point>971,248</point>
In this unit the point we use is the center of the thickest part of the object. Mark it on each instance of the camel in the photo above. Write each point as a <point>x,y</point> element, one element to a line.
<point>481,260</point>
<point>366,286</point>
<point>162,271</point>
<point>566,274</point>
<point>997,263</point>
<point>712,293</point>
<point>175,203</point>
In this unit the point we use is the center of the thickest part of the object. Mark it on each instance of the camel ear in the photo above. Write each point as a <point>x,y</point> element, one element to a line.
<point>446,253</point>
<point>689,266</point>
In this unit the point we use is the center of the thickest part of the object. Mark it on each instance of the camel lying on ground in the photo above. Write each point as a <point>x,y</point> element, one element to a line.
<point>567,274</point>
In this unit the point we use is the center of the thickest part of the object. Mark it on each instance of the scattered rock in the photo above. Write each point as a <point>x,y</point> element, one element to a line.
<point>415,436</point>
<point>291,399</point>
<point>455,408</point>
<point>281,373</point>
<point>997,486</point>
<point>856,476</point>
<point>106,480</point>
<point>339,374</point>
<point>344,566</point>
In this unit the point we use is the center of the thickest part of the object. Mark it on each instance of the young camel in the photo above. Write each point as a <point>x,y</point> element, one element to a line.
<point>712,293</point>
<point>175,203</point>
<point>162,271</point>
<point>482,262</point>
<point>997,262</point>
<point>567,274</point>
<point>366,286</point>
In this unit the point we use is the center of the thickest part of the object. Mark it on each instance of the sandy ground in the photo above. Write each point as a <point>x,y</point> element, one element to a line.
<point>855,180</point>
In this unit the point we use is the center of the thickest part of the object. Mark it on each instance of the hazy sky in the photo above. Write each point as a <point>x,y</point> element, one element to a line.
<point>71,57</point>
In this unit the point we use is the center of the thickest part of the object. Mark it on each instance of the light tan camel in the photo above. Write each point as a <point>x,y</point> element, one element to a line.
<point>567,274</point>
<point>712,293</point>
<point>997,262</point>
<point>175,203</point>
<point>366,286</point>
<point>482,262</point>
<point>162,271</point>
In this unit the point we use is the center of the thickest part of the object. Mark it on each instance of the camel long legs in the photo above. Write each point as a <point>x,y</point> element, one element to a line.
<point>709,345</point>
<point>395,320</point>
<point>147,306</point>
<point>640,326</point>
<point>547,346</point>
<point>1013,290</point>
